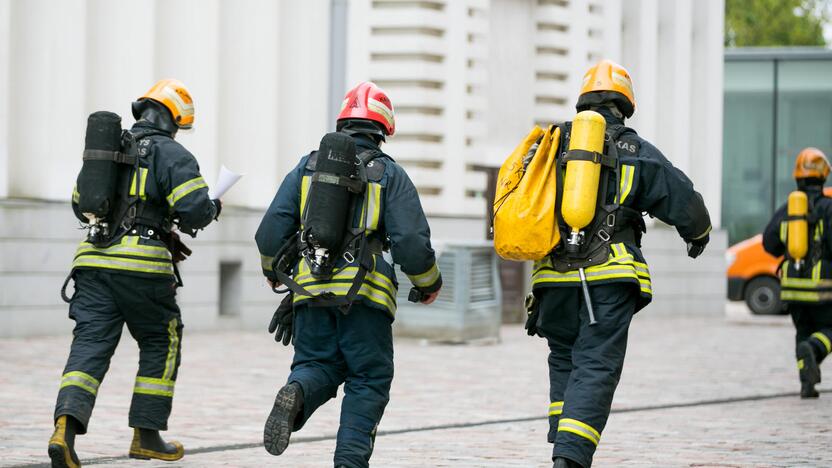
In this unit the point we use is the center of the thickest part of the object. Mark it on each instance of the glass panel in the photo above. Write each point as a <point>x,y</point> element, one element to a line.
<point>747,148</point>
<point>804,116</point>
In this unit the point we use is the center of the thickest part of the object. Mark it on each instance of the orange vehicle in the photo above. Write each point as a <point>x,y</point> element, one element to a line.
<point>752,274</point>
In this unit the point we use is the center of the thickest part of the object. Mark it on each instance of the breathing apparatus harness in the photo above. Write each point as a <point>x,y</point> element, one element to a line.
<point>613,222</point>
<point>815,242</point>
<point>358,246</point>
<point>129,213</point>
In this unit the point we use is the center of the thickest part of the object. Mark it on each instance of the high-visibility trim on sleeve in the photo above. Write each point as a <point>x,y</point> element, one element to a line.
<point>154,386</point>
<point>556,408</point>
<point>426,279</point>
<point>173,349</point>
<point>823,339</point>
<point>76,196</point>
<point>626,185</point>
<point>266,262</point>
<point>579,428</point>
<point>82,380</point>
<point>707,231</point>
<point>182,190</point>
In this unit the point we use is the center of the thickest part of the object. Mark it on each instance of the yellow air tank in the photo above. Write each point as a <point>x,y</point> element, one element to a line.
<point>798,235</point>
<point>580,185</point>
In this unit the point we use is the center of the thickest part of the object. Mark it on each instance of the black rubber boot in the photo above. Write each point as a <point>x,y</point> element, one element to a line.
<point>561,462</point>
<point>147,444</point>
<point>62,443</point>
<point>809,370</point>
<point>281,421</point>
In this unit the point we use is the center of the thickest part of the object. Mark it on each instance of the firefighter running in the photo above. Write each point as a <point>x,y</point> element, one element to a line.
<point>586,290</point>
<point>133,190</point>
<point>323,237</point>
<point>801,231</point>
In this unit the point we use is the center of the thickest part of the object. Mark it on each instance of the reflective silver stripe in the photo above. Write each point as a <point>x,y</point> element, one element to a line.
<point>173,350</point>
<point>428,278</point>
<point>579,428</point>
<point>556,408</point>
<point>80,379</point>
<point>184,189</point>
<point>154,386</point>
<point>127,264</point>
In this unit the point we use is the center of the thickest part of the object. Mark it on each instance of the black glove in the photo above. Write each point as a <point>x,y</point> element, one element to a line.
<point>282,321</point>
<point>218,205</point>
<point>697,246</point>
<point>178,250</point>
<point>533,312</point>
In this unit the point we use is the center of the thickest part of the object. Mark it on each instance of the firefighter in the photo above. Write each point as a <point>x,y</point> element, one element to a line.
<point>806,273</point>
<point>587,333</point>
<point>130,279</point>
<point>337,343</point>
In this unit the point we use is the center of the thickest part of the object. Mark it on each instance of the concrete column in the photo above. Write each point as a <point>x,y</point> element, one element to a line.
<point>303,100</point>
<point>46,135</point>
<point>119,67</point>
<point>640,50</point>
<point>706,104</point>
<point>5,61</point>
<point>511,75</point>
<point>186,49</point>
<point>248,109</point>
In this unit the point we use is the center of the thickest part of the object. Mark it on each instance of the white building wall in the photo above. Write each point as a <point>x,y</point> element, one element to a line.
<point>468,79</point>
<point>256,69</point>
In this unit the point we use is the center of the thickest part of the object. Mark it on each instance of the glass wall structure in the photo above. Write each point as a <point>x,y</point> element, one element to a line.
<point>777,102</point>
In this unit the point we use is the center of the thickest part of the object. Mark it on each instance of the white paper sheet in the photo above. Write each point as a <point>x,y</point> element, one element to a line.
<point>225,181</point>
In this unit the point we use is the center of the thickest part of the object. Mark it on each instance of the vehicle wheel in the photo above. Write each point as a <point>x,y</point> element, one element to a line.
<point>763,296</point>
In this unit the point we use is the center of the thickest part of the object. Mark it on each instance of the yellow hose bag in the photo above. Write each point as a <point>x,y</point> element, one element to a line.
<point>525,225</point>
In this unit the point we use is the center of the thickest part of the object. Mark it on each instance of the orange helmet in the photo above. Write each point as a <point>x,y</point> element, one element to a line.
<point>176,98</point>
<point>811,163</point>
<point>607,81</point>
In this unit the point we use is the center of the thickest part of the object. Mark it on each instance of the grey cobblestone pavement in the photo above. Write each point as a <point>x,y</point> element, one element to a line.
<point>486,404</point>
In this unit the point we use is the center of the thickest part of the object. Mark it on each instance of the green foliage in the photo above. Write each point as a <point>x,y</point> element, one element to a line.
<point>774,23</point>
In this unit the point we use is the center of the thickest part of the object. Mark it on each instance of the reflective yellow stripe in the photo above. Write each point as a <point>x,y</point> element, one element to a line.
<point>173,349</point>
<point>620,265</point>
<point>266,262</point>
<point>376,288</point>
<point>579,428</point>
<point>126,264</point>
<point>784,229</point>
<point>556,408</point>
<point>142,183</point>
<point>800,364</point>
<point>816,271</point>
<point>75,195</point>
<point>805,296</point>
<point>82,380</point>
<point>627,174</point>
<point>426,279</point>
<point>153,386</point>
<point>182,190</point>
<point>823,339</point>
<point>134,250</point>
<point>818,230</point>
<point>373,210</point>
<point>304,193</point>
<point>707,231</point>
<point>805,283</point>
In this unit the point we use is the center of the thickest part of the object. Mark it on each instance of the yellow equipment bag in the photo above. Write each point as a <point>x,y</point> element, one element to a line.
<point>525,225</point>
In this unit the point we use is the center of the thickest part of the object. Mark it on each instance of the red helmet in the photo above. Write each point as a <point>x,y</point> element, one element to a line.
<point>369,102</point>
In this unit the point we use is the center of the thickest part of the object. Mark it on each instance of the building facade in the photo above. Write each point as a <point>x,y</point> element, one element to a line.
<point>468,79</point>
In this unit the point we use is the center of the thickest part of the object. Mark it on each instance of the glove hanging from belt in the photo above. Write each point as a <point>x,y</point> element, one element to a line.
<point>283,320</point>
<point>178,250</point>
